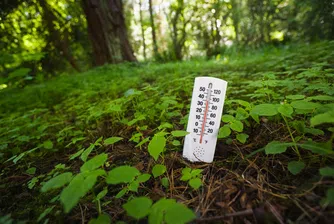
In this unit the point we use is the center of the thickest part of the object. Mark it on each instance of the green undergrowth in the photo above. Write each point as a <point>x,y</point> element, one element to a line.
<point>106,145</point>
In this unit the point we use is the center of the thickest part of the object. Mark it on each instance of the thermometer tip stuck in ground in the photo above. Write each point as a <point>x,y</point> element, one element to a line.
<point>204,119</point>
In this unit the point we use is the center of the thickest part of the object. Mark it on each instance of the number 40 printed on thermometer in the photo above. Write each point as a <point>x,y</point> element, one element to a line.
<point>204,119</point>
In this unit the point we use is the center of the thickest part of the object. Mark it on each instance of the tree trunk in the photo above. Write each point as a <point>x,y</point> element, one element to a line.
<point>107,31</point>
<point>60,41</point>
<point>154,39</point>
<point>142,29</point>
<point>236,19</point>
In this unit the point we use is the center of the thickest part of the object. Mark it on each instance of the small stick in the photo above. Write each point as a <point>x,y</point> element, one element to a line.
<point>235,214</point>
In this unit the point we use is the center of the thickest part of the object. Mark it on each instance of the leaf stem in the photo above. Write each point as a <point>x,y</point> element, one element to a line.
<point>293,139</point>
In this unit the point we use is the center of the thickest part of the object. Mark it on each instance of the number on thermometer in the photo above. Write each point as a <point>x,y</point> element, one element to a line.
<point>205,111</point>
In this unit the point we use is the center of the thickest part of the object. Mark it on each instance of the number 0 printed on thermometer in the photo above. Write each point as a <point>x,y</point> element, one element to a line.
<point>204,119</point>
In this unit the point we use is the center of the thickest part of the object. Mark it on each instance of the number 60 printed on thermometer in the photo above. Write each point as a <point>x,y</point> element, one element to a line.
<point>204,119</point>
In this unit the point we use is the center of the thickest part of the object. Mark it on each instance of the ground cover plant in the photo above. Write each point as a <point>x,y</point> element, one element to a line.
<point>105,146</point>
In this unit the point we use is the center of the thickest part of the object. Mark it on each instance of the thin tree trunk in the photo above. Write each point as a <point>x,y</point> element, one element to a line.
<point>142,29</point>
<point>107,31</point>
<point>60,41</point>
<point>236,18</point>
<point>154,39</point>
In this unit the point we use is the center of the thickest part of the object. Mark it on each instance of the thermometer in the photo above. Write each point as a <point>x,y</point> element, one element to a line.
<point>204,119</point>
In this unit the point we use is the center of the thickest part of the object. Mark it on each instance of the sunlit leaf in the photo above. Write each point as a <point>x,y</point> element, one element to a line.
<point>237,126</point>
<point>178,213</point>
<point>242,137</point>
<point>195,183</point>
<point>158,170</point>
<point>122,174</point>
<point>156,146</point>
<point>179,133</point>
<point>224,131</point>
<point>265,110</point>
<point>112,140</point>
<point>327,117</point>
<point>102,219</point>
<point>138,208</point>
<point>57,182</point>
<point>94,163</point>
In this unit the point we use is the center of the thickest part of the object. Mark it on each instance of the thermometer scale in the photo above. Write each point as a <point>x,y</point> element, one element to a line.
<point>204,119</point>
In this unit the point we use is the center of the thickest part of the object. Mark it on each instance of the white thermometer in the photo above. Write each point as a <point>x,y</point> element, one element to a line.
<point>204,119</point>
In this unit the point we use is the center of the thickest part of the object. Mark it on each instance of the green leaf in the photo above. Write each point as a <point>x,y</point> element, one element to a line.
<point>327,172</point>
<point>196,172</point>
<point>330,196</point>
<point>138,208</point>
<point>285,109</point>
<point>122,174</point>
<point>57,182</point>
<point>327,117</point>
<point>158,210</point>
<point>224,131</point>
<point>176,142</point>
<point>94,163</point>
<point>321,98</point>
<point>314,131</point>
<point>227,118</point>
<point>165,182</point>
<point>158,170</point>
<point>112,140</point>
<point>179,214</point>
<point>102,194</point>
<point>255,117</point>
<point>264,110</point>
<point>43,214</point>
<point>165,125</point>
<point>319,148</point>
<point>75,155</point>
<point>102,219</point>
<point>276,147</point>
<point>295,97</point>
<point>237,126</point>
<point>78,187</point>
<point>133,186</point>
<point>295,167</point>
<point>242,137</point>
<point>31,170</point>
<point>242,114</point>
<point>121,193</point>
<point>143,178</point>
<point>186,175</point>
<point>305,105</point>
<point>195,183</point>
<point>48,144</point>
<point>179,133</point>
<point>156,146</point>
<point>143,141</point>
<point>86,153</point>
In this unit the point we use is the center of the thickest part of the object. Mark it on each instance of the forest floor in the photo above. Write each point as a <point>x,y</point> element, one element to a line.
<point>276,166</point>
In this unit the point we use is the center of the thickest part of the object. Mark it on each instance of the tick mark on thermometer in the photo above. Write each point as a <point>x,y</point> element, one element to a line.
<point>207,102</point>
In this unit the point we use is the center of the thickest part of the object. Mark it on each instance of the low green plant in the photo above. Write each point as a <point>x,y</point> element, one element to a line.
<point>163,211</point>
<point>193,177</point>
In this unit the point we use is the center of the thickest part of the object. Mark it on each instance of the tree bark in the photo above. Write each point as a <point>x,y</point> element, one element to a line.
<point>107,31</point>
<point>142,29</point>
<point>59,40</point>
<point>154,39</point>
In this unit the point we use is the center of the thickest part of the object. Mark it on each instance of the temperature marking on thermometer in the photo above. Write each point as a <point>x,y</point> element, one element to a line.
<point>204,119</point>
<point>207,102</point>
